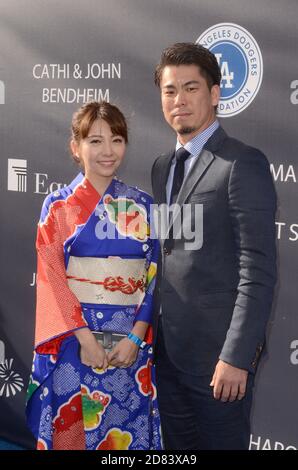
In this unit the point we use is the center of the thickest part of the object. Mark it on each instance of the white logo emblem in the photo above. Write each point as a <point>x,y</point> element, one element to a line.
<point>241,64</point>
<point>17,175</point>
<point>10,381</point>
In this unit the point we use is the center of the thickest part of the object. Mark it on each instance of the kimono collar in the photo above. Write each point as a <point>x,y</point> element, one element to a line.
<point>85,192</point>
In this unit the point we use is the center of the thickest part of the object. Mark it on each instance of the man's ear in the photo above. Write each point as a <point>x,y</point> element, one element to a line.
<point>215,95</point>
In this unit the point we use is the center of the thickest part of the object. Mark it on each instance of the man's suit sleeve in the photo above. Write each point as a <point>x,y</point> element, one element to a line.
<point>252,203</point>
<point>153,176</point>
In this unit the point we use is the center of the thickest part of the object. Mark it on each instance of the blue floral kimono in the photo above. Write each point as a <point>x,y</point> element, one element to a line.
<point>96,268</point>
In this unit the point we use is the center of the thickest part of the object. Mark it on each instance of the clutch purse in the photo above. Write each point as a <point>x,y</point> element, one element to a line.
<point>108,339</point>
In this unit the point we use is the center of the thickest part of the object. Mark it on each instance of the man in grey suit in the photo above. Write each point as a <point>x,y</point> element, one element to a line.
<point>213,298</point>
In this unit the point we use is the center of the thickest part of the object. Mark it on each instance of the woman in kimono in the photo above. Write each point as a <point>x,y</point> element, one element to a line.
<point>92,385</point>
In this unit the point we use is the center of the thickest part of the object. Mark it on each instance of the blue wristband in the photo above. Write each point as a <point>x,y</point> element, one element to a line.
<point>135,339</point>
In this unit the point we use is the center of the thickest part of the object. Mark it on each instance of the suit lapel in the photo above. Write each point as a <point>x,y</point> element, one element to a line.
<point>199,168</point>
<point>197,171</point>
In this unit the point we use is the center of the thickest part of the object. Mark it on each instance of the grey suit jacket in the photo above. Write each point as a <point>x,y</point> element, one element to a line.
<point>216,300</point>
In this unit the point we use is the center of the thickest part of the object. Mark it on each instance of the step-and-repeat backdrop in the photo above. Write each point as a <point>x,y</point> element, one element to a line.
<point>55,55</point>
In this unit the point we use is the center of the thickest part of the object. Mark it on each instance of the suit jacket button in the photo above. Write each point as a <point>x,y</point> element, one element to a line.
<point>166,251</point>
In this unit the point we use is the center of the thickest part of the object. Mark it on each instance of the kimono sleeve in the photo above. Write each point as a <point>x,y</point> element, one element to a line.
<point>58,311</point>
<point>145,308</point>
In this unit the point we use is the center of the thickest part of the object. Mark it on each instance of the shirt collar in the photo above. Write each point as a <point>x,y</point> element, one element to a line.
<point>195,145</point>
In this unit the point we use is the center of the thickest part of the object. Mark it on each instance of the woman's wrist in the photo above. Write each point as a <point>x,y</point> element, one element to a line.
<point>83,335</point>
<point>135,339</point>
<point>139,329</point>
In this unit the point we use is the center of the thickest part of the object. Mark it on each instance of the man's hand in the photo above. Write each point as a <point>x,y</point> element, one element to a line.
<point>228,382</point>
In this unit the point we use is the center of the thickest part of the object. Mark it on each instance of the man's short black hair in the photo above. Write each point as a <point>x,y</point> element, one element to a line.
<point>188,53</point>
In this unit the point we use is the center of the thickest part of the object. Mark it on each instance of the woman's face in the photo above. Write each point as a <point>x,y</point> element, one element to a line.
<point>101,152</point>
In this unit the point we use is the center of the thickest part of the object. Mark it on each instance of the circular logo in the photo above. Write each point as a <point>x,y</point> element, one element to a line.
<point>241,65</point>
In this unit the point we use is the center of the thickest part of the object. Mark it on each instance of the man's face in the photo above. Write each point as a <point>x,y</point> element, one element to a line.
<point>187,102</point>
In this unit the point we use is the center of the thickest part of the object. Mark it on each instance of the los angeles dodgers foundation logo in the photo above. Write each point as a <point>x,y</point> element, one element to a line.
<point>241,64</point>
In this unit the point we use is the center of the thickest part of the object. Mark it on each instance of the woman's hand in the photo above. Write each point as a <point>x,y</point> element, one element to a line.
<point>92,353</point>
<point>123,354</point>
